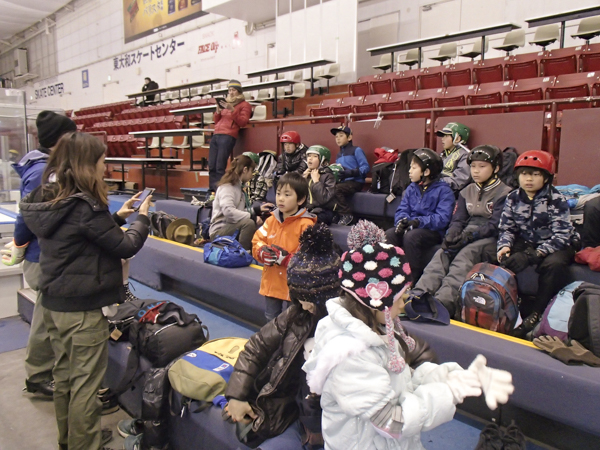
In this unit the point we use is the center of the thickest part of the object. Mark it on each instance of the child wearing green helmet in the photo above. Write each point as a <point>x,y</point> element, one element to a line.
<point>456,171</point>
<point>321,183</point>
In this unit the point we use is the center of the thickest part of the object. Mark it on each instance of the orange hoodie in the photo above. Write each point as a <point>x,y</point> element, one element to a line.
<point>286,235</point>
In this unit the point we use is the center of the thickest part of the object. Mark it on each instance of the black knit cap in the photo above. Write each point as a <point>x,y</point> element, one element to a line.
<point>51,127</point>
<point>312,273</point>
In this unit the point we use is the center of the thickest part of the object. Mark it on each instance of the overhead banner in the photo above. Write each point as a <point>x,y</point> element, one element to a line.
<point>145,17</point>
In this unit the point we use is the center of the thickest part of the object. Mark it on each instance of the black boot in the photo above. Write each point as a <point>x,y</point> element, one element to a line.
<point>45,387</point>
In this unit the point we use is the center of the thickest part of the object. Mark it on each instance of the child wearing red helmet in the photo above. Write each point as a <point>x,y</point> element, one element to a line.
<point>535,230</point>
<point>293,155</point>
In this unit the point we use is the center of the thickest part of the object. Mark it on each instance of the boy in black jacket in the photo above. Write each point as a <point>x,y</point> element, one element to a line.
<point>473,229</point>
<point>321,184</point>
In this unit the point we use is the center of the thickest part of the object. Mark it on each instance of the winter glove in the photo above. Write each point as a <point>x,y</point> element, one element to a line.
<point>412,224</point>
<point>402,226</point>
<point>533,257</point>
<point>13,254</point>
<point>277,255</point>
<point>575,354</point>
<point>351,173</point>
<point>496,384</point>
<point>465,238</point>
<point>266,255</point>
<point>463,383</point>
<point>517,262</point>
<point>452,237</point>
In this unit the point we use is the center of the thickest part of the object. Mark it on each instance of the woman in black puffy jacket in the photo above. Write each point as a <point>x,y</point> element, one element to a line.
<point>81,245</point>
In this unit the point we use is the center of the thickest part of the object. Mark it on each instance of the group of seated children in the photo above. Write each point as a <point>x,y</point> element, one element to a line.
<point>337,368</point>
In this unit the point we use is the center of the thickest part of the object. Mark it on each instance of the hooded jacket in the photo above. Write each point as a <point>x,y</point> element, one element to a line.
<point>353,160</point>
<point>30,169</point>
<point>542,222</point>
<point>348,368</point>
<point>295,162</point>
<point>456,171</point>
<point>432,205</point>
<point>81,250</point>
<point>322,193</point>
<point>230,122</point>
<point>285,234</point>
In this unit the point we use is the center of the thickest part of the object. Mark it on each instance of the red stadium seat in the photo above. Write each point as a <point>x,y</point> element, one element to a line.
<point>424,98</point>
<point>489,70</point>
<point>589,60</point>
<point>370,104</point>
<point>561,65</point>
<point>573,85</point>
<point>396,102</point>
<point>381,86</point>
<point>459,74</point>
<point>522,66</point>
<point>489,94</point>
<point>324,109</point>
<point>455,96</point>
<point>529,89</point>
<point>431,78</point>
<point>347,104</point>
<point>362,86</point>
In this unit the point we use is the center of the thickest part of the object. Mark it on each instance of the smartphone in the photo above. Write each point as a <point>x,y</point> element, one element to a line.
<point>148,191</point>
<point>222,102</point>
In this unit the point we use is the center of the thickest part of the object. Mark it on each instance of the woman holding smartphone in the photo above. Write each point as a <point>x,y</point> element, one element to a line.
<point>82,245</point>
<point>231,115</point>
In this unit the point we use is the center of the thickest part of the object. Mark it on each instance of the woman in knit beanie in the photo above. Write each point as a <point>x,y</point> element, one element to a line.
<point>268,386</point>
<point>370,398</point>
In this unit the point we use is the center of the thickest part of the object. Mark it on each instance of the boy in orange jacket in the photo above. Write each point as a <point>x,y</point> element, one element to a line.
<point>277,240</point>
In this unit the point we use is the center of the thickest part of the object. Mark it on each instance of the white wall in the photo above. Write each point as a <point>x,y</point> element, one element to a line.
<point>92,36</point>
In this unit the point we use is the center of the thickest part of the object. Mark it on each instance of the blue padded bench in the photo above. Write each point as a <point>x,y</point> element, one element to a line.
<point>234,291</point>
<point>528,279</point>
<point>543,385</point>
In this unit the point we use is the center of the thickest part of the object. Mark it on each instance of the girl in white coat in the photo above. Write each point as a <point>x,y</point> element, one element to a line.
<point>370,398</point>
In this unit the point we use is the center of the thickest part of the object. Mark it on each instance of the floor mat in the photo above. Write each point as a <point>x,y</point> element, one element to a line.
<point>14,332</point>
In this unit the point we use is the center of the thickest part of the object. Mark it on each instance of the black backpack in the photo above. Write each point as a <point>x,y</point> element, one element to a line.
<point>159,221</point>
<point>506,174</point>
<point>385,179</point>
<point>584,322</point>
<point>403,165</point>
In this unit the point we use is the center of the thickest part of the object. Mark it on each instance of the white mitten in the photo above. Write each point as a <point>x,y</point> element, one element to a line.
<point>496,384</point>
<point>463,383</point>
<point>12,254</point>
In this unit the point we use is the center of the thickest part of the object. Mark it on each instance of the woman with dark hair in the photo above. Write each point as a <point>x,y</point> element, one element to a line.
<point>81,250</point>
<point>232,211</point>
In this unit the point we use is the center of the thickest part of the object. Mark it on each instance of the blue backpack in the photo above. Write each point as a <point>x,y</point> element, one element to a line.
<point>226,251</point>
<point>555,320</point>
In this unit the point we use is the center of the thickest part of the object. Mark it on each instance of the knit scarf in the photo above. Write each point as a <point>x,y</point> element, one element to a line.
<point>235,100</point>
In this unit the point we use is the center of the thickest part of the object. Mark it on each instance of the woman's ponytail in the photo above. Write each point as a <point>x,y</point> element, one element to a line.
<point>237,166</point>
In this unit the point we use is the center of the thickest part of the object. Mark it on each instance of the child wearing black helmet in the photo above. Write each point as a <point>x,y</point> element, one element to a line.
<point>425,211</point>
<point>473,230</point>
<point>535,230</point>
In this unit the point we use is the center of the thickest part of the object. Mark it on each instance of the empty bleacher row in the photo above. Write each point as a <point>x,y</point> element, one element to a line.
<point>115,108</point>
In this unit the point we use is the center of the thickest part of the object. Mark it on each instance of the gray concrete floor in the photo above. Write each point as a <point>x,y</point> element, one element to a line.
<point>27,421</point>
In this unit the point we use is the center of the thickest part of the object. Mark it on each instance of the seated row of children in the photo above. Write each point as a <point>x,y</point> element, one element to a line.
<point>349,169</point>
<point>528,227</point>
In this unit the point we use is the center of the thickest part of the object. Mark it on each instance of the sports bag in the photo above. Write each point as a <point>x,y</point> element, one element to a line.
<point>226,251</point>
<point>584,323</point>
<point>126,313</point>
<point>204,373</point>
<point>555,320</point>
<point>159,221</point>
<point>489,298</point>
<point>165,332</point>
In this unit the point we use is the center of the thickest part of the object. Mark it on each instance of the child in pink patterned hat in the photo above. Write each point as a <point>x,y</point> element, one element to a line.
<point>370,398</point>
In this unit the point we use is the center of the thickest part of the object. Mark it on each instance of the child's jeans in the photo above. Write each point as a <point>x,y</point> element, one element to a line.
<point>274,307</point>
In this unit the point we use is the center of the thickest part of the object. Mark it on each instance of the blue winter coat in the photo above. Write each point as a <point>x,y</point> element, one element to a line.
<point>355,164</point>
<point>30,169</point>
<point>432,205</point>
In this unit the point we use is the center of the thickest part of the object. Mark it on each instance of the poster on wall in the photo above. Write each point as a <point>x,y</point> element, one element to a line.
<point>145,17</point>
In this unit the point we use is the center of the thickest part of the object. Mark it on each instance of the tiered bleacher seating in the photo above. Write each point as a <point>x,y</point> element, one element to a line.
<point>115,108</point>
<point>90,119</point>
<point>161,110</point>
<point>148,124</point>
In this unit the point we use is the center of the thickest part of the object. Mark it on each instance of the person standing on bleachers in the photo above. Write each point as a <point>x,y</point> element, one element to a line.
<point>456,171</point>
<point>535,230</point>
<point>321,184</point>
<point>473,231</point>
<point>352,177</point>
<point>424,212</point>
<point>81,248</point>
<point>293,155</point>
<point>39,357</point>
<point>232,210</point>
<point>228,121</point>
<point>149,85</point>
<point>277,240</point>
